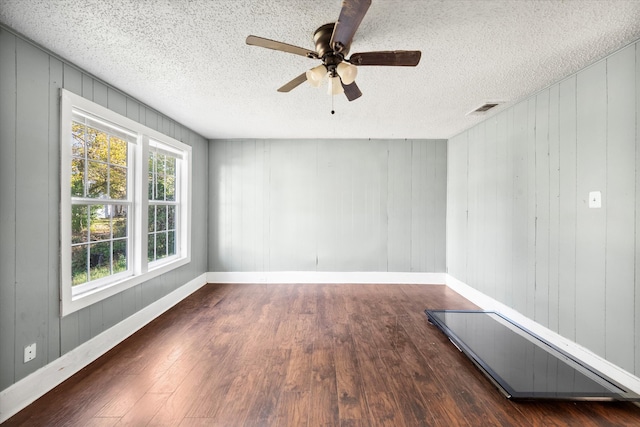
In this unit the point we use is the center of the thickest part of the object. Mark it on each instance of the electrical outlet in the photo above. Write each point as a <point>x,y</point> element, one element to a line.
<point>29,352</point>
<point>595,199</point>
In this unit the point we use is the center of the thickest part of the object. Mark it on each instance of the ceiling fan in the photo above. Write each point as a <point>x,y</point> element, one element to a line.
<point>332,42</point>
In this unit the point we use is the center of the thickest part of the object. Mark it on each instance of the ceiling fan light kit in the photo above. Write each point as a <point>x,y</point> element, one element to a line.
<point>316,75</point>
<point>335,86</point>
<point>332,42</point>
<point>347,72</point>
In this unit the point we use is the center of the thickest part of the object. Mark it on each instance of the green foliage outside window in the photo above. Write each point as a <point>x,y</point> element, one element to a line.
<point>99,232</point>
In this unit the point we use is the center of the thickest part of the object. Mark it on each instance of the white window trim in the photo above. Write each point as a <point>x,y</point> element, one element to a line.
<point>142,271</point>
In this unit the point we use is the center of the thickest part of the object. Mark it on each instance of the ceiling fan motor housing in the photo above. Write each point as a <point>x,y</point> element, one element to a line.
<point>322,40</point>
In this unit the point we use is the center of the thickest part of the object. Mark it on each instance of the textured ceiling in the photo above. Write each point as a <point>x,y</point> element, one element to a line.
<point>188,58</point>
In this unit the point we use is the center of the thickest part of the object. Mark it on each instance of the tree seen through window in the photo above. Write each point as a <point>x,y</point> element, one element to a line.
<point>98,222</point>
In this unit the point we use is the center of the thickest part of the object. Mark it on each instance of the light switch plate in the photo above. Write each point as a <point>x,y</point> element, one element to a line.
<point>595,199</point>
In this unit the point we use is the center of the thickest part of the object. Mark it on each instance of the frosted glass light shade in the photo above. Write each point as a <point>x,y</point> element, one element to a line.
<point>347,72</point>
<point>316,74</point>
<point>335,87</point>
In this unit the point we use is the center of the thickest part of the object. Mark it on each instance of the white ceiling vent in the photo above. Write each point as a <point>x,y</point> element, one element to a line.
<point>483,108</point>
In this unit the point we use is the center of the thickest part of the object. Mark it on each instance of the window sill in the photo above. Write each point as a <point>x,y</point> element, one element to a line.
<point>70,304</point>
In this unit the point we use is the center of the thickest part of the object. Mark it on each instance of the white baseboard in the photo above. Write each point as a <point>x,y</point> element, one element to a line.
<point>299,277</point>
<point>485,302</point>
<point>19,395</point>
<point>26,391</point>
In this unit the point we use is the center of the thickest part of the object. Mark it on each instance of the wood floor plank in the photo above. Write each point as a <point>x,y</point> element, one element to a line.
<point>407,394</point>
<point>384,334</point>
<point>93,388</point>
<point>298,376</point>
<point>324,400</point>
<point>180,401</point>
<point>299,355</point>
<point>247,372</point>
<point>170,379</point>
<point>352,403</point>
<point>199,422</point>
<point>234,404</point>
<point>293,409</point>
<point>144,410</point>
<point>442,408</point>
<point>338,302</point>
<point>102,422</point>
<point>126,398</point>
<point>383,408</point>
<point>221,352</point>
<point>265,397</point>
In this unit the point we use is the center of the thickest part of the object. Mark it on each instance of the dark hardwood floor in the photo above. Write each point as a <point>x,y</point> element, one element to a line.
<point>299,355</point>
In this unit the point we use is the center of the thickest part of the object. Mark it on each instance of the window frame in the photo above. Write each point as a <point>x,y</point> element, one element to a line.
<point>139,269</point>
<point>160,148</point>
<point>130,138</point>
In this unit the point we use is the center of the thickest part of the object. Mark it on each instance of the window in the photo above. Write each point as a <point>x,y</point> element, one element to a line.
<point>100,201</point>
<point>114,232</point>
<point>163,173</point>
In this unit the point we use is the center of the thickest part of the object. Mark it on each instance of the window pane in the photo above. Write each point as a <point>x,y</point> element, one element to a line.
<point>170,180</point>
<point>152,160</point>
<point>118,151</point>
<point>118,183</point>
<point>171,243</point>
<point>161,245</point>
<point>119,221</point>
<point>97,145</point>
<point>170,188</point>
<point>171,166</point>
<point>79,223</point>
<point>159,185</point>
<point>97,180</point>
<point>171,217</point>
<point>119,256</point>
<point>161,218</point>
<point>99,260</point>
<point>151,186</point>
<point>77,177</point>
<point>152,219</point>
<point>160,163</point>
<point>100,222</point>
<point>151,247</point>
<point>79,264</point>
<point>77,139</point>
<point>152,175</point>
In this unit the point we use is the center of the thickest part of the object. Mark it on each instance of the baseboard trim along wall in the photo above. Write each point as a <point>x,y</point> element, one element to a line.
<point>576,350</point>
<point>18,396</point>
<point>26,391</point>
<point>327,277</point>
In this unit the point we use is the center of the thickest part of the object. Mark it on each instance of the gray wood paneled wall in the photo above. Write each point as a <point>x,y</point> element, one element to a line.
<point>327,205</point>
<point>519,228</point>
<point>30,81</point>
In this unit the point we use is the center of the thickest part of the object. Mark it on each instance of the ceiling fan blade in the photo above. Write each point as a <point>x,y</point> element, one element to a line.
<point>283,47</point>
<point>349,20</point>
<point>294,83</point>
<point>351,91</point>
<point>402,58</point>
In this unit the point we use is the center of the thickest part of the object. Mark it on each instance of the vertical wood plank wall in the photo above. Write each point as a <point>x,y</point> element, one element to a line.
<point>327,205</point>
<point>30,82</point>
<point>519,228</point>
